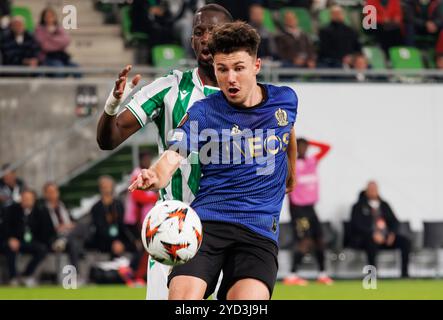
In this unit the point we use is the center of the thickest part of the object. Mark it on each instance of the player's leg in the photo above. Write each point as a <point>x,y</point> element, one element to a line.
<point>250,268</point>
<point>248,289</point>
<point>317,236</point>
<point>197,278</point>
<point>187,288</point>
<point>301,244</point>
<point>157,280</point>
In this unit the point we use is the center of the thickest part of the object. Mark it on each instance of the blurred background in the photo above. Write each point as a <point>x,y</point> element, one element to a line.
<point>373,95</point>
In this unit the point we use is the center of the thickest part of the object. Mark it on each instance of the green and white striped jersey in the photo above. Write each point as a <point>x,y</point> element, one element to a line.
<point>165,102</point>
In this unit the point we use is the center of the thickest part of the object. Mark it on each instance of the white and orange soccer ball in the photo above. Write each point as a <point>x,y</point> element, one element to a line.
<point>172,232</point>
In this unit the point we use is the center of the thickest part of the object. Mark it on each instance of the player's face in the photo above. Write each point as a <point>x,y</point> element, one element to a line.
<point>204,23</point>
<point>236,75</point>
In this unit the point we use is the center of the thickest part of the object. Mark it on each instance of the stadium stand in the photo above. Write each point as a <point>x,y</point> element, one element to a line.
<point>167,55</point>
<point>304,18</point>
<point>104,39</point>
<point>131,38</point>
<point>26,14</point>
<point>376,57</point>
<point>406,58</point>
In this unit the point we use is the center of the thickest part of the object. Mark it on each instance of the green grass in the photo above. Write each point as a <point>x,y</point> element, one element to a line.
<point>341,290</point>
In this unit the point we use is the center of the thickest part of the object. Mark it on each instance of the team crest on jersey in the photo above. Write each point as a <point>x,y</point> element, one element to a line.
<point>235,130</point>
<point>282,117</point>
<point>183,120</point>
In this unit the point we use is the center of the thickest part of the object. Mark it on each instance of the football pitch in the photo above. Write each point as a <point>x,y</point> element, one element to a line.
<point>340,290</point>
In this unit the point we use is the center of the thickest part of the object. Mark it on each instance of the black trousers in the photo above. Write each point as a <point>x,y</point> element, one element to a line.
<point>36,249</point>
<point>371,248</point>
<point>308,235</point>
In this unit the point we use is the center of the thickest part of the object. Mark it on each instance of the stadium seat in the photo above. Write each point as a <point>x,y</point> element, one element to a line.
<point>25,12</point>
<point>268,21</point>
<point>303,15</point>
<point>405,58</point>
<point>429,56</point>
<point>167,55</point>
<point>375,56</point>
<point>129,36</point>
<point>433,235</point>
<point>428,255</point>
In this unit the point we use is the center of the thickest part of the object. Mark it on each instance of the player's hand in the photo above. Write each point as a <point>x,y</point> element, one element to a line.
<point>120,83</point>
<point>147,179</point>
<point>120,91</point>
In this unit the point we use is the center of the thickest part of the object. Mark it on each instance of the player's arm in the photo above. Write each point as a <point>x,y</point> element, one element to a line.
<point>292,161</point>
<point>323,149</point>
<point>158,175</point>
<point>113,129</point>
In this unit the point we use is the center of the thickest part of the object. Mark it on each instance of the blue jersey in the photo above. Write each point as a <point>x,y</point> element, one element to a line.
<point>242,152</point>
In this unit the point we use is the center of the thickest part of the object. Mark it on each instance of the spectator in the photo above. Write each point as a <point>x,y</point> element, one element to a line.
<point>374,226</point>
<point>439,46</point>
<point>422,17</point>
<point>139,202</point>
<point>307,4</point>
<point>389,23</point>
<point>238,9</point>
<point>294,47</point>
<point>306,225</point>
<point>24,231</point>
<point>53,41</point>
<point>19,46</point>
<point>5,13</point>
<point>439,61</point>
<point>10,187</point>
<point>266,48</point>
<point>62,234</point>
<point>360,63</point>
<point>156,20</point>
<point>338,42</point>
<point>111,234</point>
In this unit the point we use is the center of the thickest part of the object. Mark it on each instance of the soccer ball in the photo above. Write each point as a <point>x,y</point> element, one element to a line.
<point>172,232</point>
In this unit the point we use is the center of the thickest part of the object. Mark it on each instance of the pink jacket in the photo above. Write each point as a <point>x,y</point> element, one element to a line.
<point>51,42</point>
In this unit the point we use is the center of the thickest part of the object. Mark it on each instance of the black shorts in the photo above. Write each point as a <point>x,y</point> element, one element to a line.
<point>238,251</point>
<point>305,223</point>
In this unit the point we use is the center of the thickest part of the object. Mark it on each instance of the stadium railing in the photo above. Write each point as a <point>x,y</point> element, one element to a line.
<point>270,72</point>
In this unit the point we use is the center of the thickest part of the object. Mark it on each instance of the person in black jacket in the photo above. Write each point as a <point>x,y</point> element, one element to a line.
<point>24,233</point>
<point>18,46</point>
<point>62,234</point>
<point>10,187</point>
<point>111,234</point>
<point>338,42</point>
<point>374,226</point>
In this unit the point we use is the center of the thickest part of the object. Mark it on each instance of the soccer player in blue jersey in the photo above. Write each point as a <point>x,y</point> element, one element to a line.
<point>241,135</point>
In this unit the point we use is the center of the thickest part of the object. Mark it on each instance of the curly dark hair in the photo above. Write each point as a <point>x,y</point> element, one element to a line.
<point>234,36</point>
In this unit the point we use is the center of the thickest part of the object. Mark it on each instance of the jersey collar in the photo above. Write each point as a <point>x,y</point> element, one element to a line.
<point>199,83</point>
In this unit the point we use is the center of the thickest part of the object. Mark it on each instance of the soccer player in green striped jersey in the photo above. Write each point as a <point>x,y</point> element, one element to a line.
<point>165,102</point>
